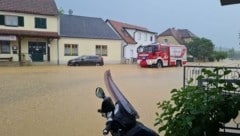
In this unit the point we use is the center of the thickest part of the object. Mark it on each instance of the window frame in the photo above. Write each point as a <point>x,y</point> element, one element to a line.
<point>40,23</point>
<point>166,40</point>
<point>72,50</point>
<point>151,38</point>
<point>5,45</point>
<point>101,50</point>
<point>10,20</point>
<point>145,36</point>
<point>19,20</point>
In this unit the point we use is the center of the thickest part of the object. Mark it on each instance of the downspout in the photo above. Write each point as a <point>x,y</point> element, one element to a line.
<point>19,50</point>
<point>123,52</point>
<point>59,31</point>
<point>134,36</point>
<point>58,51</point>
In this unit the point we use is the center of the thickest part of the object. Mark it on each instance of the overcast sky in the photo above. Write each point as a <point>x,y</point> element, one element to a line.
<point>205,18</point>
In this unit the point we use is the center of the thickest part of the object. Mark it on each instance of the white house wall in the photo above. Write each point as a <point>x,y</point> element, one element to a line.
<point>142,38</point>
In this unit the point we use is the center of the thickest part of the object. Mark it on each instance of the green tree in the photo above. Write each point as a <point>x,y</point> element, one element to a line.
<point>60,11</point>
<point>200,48</point>
<point>232,53</point>
<point>220,55</point>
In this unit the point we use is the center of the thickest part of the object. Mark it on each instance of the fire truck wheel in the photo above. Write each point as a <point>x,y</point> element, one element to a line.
<point>159,64</point>
<point>179,63</point>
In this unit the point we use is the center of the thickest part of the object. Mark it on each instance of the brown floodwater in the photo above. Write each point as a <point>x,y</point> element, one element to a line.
<point>61,101</point>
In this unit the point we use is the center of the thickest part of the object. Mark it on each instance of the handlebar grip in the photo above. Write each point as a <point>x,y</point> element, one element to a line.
<point>108,128</point>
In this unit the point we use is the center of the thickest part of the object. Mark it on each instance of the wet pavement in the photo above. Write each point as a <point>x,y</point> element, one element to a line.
<point>61,101</point>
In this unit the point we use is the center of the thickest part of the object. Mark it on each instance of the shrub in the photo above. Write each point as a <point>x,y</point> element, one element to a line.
<point>200,110</point>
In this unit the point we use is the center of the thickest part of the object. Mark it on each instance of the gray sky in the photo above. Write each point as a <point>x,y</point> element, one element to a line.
<point>205,18</point>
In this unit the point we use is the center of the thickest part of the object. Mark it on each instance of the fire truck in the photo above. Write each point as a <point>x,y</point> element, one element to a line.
<point>162,55</point>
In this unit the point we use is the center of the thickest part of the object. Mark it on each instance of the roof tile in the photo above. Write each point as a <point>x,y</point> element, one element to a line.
<point>42,7</point>
<point>85,27</point>
<point>178,34</point>
<point>121,30</point>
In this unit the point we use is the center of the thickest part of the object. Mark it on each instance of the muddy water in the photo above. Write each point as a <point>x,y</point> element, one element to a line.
<point>60,100</point>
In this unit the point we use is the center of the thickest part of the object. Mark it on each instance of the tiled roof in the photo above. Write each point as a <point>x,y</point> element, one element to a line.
<point>85,27</point>
<point>178,34</point>
<point>29,33</point>
<point>41,7</point>
<point>120,28</point>
<point>185,33</point>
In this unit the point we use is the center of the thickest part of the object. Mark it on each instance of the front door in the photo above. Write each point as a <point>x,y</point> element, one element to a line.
<point>37,50</point>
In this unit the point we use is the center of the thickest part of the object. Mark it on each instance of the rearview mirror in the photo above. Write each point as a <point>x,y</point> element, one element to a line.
<point>100,93</point>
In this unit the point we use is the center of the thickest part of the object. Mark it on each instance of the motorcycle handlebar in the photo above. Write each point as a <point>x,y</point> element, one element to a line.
<point>108,128</point>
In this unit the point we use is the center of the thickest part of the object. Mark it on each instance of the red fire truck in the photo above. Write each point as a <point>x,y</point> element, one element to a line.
<point>161,55</point>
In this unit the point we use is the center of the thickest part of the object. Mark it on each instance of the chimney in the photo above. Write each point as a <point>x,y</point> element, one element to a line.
<point>70,11</point>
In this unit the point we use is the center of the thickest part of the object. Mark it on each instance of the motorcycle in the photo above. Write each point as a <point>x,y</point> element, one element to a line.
<point>120,114</point>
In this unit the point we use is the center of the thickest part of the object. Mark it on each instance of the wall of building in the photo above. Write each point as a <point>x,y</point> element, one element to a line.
<point>88,47</point>
<point>170,40</point>
<point>25,47</point>
<point>29,22</point>
<point>142,38</point>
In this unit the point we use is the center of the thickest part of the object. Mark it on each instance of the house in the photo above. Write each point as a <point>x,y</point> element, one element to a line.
<point>175,36</point>
<point>28,28</point>
<point>132,37</point>
<point>81,35</point>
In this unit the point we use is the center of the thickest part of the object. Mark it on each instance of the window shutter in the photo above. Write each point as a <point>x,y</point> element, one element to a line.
<point>20,21</point>
<point>2,20</point>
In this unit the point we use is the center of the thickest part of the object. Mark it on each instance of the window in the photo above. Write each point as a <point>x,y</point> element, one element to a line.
<point>151,38</point>
<point>145,36</point>
<point>166,40</point>
<point>71,50</point>
<point>139,35</point>
<point>40,23</point>
<point>11,20</point>
<point>5,47</point>
<point>101,50</point>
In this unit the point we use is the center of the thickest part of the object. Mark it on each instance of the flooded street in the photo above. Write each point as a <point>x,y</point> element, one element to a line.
<point>61,101</point>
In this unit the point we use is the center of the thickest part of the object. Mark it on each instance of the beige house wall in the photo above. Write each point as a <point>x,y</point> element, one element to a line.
<point>29,25</point>
<point>88,47</point>
<point>24,49</point>
<point>29,22</point>
<point>170,39</point>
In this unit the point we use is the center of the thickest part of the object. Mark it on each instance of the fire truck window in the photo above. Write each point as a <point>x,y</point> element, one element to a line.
<point>140,49</point>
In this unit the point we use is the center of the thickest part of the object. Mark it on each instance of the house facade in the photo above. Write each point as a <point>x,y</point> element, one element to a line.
<point>28,30</point>
<point>132,37</point>
<point>81,35</point>
<point>175,36</point>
